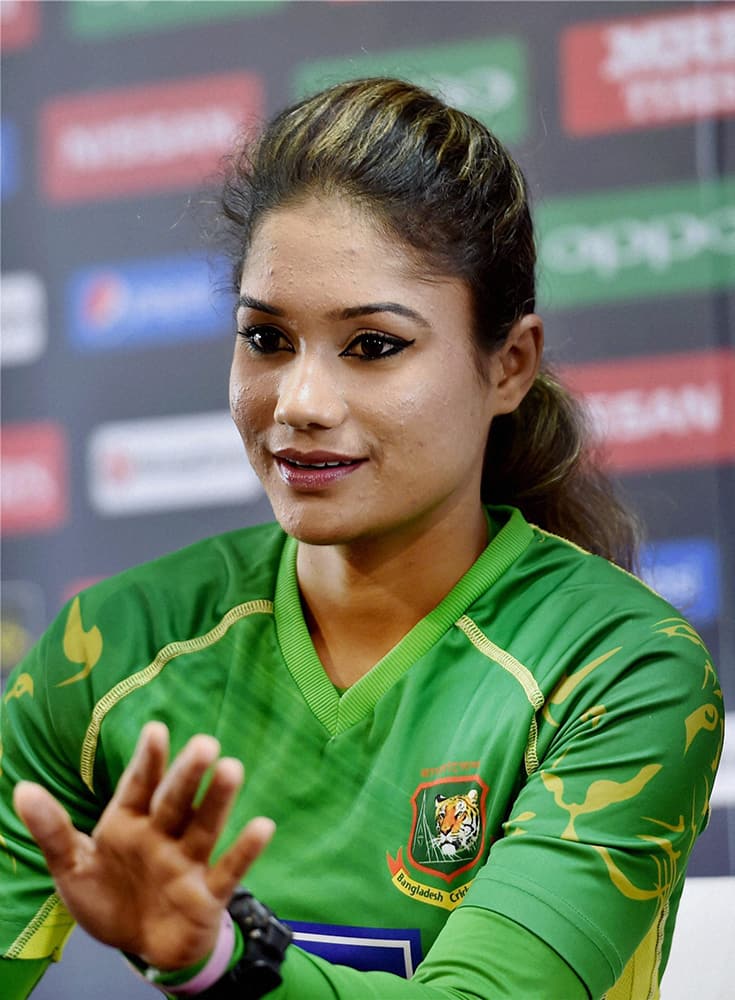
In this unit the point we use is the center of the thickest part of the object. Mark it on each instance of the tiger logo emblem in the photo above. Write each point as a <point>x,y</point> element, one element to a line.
<point>448,825</point>
<point>458,822</point>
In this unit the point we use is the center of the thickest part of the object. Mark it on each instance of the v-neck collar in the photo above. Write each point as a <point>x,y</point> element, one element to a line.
<point>337,713</point>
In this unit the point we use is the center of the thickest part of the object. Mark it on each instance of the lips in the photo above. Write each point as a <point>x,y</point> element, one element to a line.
<point>314,470</point>
<point>319,465</point>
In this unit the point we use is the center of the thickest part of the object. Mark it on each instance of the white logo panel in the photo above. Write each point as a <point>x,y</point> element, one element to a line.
<point>168,463</point>
<point>22,318</point>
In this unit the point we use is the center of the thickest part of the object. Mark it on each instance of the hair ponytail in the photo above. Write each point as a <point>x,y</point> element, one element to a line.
<point>539,458</point>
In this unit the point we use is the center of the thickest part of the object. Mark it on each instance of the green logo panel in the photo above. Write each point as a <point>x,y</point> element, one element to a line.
<point>97,18</point>
<point>487,79</point>
<point>637,243</point>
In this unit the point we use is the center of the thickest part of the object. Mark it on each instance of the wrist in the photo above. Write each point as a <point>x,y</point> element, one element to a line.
<point>245,963</point>
<point>194,979</point>
<point>264,943</point>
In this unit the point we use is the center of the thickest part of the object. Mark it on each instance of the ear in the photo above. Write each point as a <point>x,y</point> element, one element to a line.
<point>516,364</point>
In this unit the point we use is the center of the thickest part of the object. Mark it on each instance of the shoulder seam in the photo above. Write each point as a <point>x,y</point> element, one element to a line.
<point>144,676</point>
<point>51,904</point>
<point>561,538</point>
<point>614,565</point>
<point>519,672</point>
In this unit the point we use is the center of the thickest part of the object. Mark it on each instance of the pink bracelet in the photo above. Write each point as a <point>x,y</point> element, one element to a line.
<point>216,965</point>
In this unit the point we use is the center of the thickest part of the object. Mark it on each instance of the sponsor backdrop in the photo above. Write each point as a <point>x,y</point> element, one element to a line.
<point>116,317</point>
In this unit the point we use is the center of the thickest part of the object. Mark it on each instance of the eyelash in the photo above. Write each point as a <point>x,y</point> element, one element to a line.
<point>250,333</point>
<point>395,344</point>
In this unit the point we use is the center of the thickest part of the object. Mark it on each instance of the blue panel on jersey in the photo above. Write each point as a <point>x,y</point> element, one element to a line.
<point>369,949</point>
<point>686,571</point>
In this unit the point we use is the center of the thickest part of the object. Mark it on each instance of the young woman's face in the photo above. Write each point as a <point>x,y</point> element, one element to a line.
<point>354,382</point>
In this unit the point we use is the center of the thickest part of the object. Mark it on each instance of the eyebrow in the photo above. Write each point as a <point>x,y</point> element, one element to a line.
<point>248,302</point>
<point>351,312</point>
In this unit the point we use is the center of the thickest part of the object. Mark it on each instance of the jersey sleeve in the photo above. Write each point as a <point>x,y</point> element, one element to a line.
<point>595,849</point>
<point>19,979</point>
<point>42,722</point>
<point>477,954</point>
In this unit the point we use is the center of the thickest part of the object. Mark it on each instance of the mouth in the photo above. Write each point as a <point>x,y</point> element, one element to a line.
<point>334,464</point>
<point>314,470</point>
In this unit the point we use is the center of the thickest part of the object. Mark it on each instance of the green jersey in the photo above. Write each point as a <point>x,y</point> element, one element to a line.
<point>541,746</point>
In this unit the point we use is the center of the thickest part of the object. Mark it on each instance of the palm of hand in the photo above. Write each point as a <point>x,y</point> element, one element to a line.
<point>143,881</point>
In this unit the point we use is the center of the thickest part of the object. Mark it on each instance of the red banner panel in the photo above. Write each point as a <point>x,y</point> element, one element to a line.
<point>34,477</point>
<point>19,23</point>
<point>158,137</point>
<point>659,412</point>
<point>674,67</point>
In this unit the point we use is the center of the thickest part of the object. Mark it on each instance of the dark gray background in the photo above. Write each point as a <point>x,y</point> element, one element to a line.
<point>81,391</point>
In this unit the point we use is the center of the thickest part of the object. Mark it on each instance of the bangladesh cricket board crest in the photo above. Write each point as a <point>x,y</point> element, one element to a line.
<point>446,839</point>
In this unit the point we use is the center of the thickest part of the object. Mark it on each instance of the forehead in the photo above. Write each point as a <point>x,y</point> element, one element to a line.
<point>332,243</point>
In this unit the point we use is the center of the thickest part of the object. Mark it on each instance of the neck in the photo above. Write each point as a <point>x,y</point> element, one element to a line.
<point>361,598</point>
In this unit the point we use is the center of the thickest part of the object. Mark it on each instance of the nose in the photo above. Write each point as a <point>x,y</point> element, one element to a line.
<point>309,395</point>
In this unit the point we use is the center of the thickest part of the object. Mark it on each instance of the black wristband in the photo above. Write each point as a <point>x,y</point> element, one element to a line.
<point>265,940</point>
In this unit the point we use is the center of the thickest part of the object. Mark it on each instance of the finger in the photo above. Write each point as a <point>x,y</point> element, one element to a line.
<point>211,815</point>
<point>50,826</point>
<point>146,769</point>
<point>226,874</point>
<point>172,805</point>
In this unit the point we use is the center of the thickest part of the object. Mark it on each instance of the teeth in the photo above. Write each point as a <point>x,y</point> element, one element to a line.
<point>316,465</point>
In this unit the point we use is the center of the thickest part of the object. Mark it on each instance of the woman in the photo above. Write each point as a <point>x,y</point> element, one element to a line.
<point>486,750</point>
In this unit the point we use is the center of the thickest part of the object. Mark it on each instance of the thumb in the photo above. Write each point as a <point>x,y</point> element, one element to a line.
<point>49,825</point>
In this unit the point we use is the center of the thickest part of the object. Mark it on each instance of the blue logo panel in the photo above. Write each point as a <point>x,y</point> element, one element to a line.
<point>146,303</point>
<point>369,949</point>
<point>686,572</point>
<point>9,159</point>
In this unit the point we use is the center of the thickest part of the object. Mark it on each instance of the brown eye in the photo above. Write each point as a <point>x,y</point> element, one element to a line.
<point>371,346</point>
<point>265,339</point>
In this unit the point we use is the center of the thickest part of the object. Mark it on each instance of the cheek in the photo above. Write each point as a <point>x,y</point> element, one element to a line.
<point>429,416</point>
<point>235,383</point>
<point>444,423</point>
<point>411,404</point>
<point>237,393</point>
<point>241,410</point>
<point>249,401</point>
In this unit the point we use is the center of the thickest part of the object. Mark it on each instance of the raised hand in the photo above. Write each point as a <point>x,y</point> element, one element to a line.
<point>143,881</point>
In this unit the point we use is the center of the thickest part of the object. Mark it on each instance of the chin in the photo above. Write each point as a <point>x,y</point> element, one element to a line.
<point>312,529</point>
